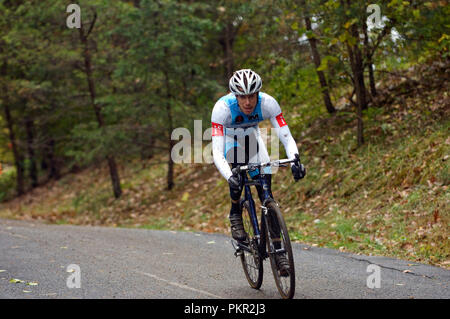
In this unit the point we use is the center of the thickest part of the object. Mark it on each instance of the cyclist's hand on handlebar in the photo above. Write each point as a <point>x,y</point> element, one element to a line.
<point>235,181</point>
<point>298,170</point>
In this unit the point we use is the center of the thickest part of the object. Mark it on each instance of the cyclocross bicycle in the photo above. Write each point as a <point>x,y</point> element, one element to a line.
<point>267,238</point>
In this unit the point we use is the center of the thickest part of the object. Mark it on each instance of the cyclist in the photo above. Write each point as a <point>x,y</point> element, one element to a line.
<point>236,140</point>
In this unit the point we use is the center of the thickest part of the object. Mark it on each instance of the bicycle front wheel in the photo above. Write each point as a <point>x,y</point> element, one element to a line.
<point>251,260</point>
<point>278,244</point>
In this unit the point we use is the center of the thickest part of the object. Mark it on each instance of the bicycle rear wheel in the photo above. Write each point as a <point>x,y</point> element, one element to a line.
<point>278,242</point>
<point>251,260</point>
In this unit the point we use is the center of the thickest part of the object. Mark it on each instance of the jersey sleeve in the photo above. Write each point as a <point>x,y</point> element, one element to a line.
<point>272,111</point>
<point>219,119</point>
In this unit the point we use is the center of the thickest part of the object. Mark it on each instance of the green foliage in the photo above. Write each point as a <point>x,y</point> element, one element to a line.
<point>161,64</point>
<point>7,183</point>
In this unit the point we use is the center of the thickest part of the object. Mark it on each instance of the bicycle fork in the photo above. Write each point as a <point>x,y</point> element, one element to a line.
<point>239,247</point>
<point>269,222</point>
<point>262,245</point>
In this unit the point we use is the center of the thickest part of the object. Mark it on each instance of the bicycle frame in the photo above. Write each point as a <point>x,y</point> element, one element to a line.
<point>249,198</point>
<point>259,233</point>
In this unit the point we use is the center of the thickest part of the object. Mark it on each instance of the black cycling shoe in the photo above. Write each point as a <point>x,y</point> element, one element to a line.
<point>237,228</point>
<point>282,264</point>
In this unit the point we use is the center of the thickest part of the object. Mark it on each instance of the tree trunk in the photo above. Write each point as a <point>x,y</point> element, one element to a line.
<point>53,171</point>
<point>357,67</point>
<point>227,40</point>
<point>373,90</point>
<point>31,155</point>
<point>97,109</point>
<point>170,174</point>
<point>358,82</point>
<point>170,143</point>
<point>317,61</point>
<point>114,176</point>
<point>18,159</point>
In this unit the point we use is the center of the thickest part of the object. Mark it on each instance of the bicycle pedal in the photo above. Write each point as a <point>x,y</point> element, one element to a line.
<point>236,247</point>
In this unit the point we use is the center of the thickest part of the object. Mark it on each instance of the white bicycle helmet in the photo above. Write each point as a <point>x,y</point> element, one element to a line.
<point>245,82</point>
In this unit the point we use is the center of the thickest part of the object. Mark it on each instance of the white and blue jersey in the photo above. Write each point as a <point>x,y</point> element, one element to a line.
<point>238,118</point>
<point>230,125</point>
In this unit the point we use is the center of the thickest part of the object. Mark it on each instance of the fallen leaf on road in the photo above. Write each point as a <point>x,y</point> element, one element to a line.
<point>32,283</point>
<point>15,281</point>
<point>407,271</point>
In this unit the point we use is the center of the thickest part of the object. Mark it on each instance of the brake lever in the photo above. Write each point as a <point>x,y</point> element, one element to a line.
<point>297,160</point>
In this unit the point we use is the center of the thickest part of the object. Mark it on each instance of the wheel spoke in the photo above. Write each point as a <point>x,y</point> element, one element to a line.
<point>251,262</point>
<point>278,231</point>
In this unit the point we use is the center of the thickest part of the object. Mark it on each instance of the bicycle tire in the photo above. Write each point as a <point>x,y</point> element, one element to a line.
<point>252,263</point>
<point>285,286</point>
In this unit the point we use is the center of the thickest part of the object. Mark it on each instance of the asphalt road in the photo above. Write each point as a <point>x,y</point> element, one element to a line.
<point>139,263</point>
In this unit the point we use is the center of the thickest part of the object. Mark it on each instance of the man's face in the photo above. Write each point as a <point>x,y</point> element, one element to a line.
<point>247,103</point>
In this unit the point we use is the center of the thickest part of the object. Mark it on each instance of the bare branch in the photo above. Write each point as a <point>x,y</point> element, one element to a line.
<point>92,24</point>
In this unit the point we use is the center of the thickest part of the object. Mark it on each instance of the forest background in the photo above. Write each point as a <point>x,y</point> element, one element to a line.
<point>87,114</point>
